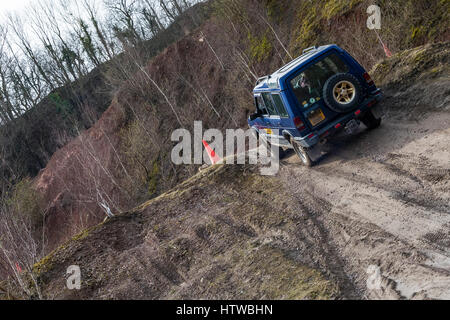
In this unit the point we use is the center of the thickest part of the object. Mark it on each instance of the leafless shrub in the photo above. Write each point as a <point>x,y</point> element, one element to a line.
<point>22,238</point>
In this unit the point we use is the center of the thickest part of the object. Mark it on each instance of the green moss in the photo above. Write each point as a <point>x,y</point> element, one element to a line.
<point>417,32</point>
<point>46,263</point>
<point>228,199</point>
<point>260,47</point>
<point>25,201</point>
<point>436,69</point>
<point>291,281</point>
<point>275,9</point>
<point>153,179</point>
<point>62,106</point>
<point>334,8</point>
<point>311,15</point>
<point>404,67</point>
<point>234,10</point>
<point>83,234</point>
<point>43,265</point>
<point>431,20</point>
<point>267,272</point>
<point>308,28</point>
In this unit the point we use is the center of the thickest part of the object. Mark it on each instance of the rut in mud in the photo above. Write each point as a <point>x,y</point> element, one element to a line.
<point>388,209</point>
<point>378,201</point>
<point>381,198</point>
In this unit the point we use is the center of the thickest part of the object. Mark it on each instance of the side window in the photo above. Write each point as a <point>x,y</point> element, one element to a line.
<point>269,104</point>
<point>280,106</point>
<point>260,105</point>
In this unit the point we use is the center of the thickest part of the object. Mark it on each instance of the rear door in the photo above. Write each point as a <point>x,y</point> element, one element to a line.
<point>307,86</point>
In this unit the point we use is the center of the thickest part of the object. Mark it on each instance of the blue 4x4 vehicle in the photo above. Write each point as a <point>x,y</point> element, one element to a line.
<point>311,98</point>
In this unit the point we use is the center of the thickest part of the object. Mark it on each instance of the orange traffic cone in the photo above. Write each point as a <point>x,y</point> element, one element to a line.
<point>212,154</point>
<point>387,51</point>
<point>385,48</point>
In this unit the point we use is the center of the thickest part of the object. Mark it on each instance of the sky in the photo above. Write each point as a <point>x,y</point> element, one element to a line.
<point>19,7</point>
<point>11,5</point>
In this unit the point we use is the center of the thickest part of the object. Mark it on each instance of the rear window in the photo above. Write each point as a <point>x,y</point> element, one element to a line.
<point>308,85</point>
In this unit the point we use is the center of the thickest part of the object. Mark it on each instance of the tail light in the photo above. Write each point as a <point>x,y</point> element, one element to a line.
<point>299,123</point>
<point>368,79</point>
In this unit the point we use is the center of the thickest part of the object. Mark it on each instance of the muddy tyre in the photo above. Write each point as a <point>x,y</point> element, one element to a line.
<point>302,153</point>
<point>342,92</point>
<point>370,121</point>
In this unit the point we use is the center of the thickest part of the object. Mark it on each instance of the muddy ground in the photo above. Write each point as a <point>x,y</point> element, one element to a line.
<point>386,205</point>
<point>380,200</point>
<point>370,221</point>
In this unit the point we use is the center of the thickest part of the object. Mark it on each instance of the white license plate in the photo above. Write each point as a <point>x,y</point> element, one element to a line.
<point>352,126</point>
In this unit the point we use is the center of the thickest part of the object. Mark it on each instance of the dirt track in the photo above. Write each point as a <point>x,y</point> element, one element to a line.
<point>382,198</point>
<point>379,199</point>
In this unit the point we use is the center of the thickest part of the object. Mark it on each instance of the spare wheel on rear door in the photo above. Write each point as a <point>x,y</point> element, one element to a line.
<point>342,92</point>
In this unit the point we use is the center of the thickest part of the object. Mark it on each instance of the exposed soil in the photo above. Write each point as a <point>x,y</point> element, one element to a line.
<point>382,197</point>
<point>215,236</point>
<point>378,199</point>
<point>71,181</point>
<point>385,205</point>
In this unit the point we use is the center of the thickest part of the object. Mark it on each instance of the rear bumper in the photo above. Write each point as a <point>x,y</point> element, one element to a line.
<point>370,103</point>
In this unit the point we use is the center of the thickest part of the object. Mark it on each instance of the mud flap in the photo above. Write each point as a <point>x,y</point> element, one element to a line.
<point>316,152</point>
<point>377,111</point>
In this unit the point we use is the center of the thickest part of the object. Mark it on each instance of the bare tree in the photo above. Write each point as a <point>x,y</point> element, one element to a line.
<point>22,41</point>
<point>92,12</point>
<point>151,17</point>
<point>123,15</point>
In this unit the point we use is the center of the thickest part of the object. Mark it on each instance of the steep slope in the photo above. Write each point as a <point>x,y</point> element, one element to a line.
<point>28,142</point>
<point>96,167</point>
<point>378,200</point>
<point>79,176</point>
<point>206,75</point>
<point>207,238</point>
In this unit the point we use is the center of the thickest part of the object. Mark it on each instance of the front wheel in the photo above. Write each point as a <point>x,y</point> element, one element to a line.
<point>370,121</point>
<point>302,153</point>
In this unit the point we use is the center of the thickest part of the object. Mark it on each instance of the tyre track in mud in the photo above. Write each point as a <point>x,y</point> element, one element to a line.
<point>382,198</point>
